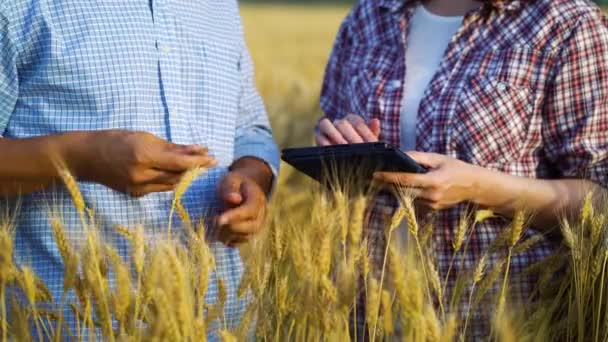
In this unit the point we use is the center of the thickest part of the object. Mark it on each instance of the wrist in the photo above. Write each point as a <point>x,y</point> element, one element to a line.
<point>256,170</point>
<point>483,190</point>
<point>75,151</point>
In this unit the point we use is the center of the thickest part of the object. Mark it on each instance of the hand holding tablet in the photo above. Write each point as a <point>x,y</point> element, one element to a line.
<point>345,161</point>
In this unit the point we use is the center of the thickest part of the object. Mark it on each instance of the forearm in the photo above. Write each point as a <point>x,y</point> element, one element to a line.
<point>546,201</point>
<point>30,164</point>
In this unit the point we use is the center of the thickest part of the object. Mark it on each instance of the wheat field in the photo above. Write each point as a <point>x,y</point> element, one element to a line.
<point>308,269</point>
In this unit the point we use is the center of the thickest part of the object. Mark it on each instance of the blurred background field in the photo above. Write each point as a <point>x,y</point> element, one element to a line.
<point>290,45</point>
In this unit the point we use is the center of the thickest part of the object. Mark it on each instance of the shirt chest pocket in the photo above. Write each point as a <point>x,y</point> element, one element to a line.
<point>496,119</point>
<point>492,121</point>
<point>369,71</point>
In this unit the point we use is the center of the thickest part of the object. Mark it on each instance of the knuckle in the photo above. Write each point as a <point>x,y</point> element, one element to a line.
<point>435,197</point>
<point>342,124</point>
<point>324,125</point>
<point>138,156</point>
<point>135,177</point>
<point>361,126</point>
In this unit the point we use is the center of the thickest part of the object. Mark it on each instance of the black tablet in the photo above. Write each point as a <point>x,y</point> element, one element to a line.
<point>359,160</point>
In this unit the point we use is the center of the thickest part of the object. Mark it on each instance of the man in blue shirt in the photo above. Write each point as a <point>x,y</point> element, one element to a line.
<point>131,94</point>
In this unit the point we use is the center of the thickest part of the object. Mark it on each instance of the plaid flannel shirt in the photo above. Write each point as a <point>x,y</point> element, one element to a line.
<point>522,89</point>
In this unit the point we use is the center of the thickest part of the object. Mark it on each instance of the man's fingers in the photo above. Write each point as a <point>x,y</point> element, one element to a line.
<point>166,178</point>
<point>236,240</point>
<point>243,232</point>
<point>140,191</point>
<point>230,190</point>
<point>241,219</point>
<point>178,162</point>
<point>244,227</point>
<point>190,149</point>
<point>330,131</point>
<point>235,216</point>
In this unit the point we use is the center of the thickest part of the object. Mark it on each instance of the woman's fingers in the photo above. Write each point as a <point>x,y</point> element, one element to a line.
<point>331,132</point>
<point>363,130</point>
<point>353,129</point>
<point>405,179</point>
<point>431,160</point>
<point>322,140</point>
<point>348,131</point>
<point>375,127</point>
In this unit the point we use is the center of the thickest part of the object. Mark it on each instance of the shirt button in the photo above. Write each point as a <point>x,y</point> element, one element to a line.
<point>502,87</point>
<point>166,49</point>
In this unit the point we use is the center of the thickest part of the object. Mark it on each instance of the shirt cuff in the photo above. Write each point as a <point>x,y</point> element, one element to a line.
<point>260,146</point>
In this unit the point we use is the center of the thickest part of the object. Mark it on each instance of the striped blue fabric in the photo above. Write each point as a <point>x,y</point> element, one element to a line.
<point>176,68</point>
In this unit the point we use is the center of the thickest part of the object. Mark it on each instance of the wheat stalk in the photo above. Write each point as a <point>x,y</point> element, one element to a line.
<point>435,280</point>
<point>28,284</point>
<point>386,307</point>
<point>226,336</point>
<point>74,190</point>
<point>432,325</point>
<point>180,190</point>
<point>372,307</point>
<point>460,233</point>
<point>357,220</point>
<point>483,215</point>
<point>122,295</point>
<point>516,228</point>
<point>449,330</point>
<point>526,245</point>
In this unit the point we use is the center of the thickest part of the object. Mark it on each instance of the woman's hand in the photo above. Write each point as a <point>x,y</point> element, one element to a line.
<point>353,129</point>
<point>448,183</point>
<point>451,182</point>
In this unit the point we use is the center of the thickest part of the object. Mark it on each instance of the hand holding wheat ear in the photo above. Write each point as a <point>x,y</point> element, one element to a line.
<point>137,163</point>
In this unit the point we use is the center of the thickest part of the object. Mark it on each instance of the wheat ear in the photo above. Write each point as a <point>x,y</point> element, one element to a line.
<point>187,179</point>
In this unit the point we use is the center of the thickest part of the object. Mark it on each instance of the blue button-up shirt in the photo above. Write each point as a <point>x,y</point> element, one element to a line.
<point>176,68</point>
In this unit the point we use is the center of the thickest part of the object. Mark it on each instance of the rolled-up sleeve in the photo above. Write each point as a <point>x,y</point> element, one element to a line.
<point>575,129</point>
<point>253,133</point>
<point>9,84</point>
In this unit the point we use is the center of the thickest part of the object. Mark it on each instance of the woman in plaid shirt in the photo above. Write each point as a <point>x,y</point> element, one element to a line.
<point>514,115</point>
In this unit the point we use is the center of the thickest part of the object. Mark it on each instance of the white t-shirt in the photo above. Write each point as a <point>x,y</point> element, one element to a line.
<point>429,36</point>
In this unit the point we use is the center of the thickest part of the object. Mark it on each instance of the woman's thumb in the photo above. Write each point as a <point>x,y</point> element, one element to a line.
<point>374,126</point>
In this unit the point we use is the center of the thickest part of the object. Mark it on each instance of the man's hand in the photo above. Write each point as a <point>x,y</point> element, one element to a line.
<point>137,163</point>
<point>243,192</point>
<point>351,130</point>
<point>449,182</point>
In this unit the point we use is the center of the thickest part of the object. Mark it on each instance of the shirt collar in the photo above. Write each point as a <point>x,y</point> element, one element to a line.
<point>504,5</point>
